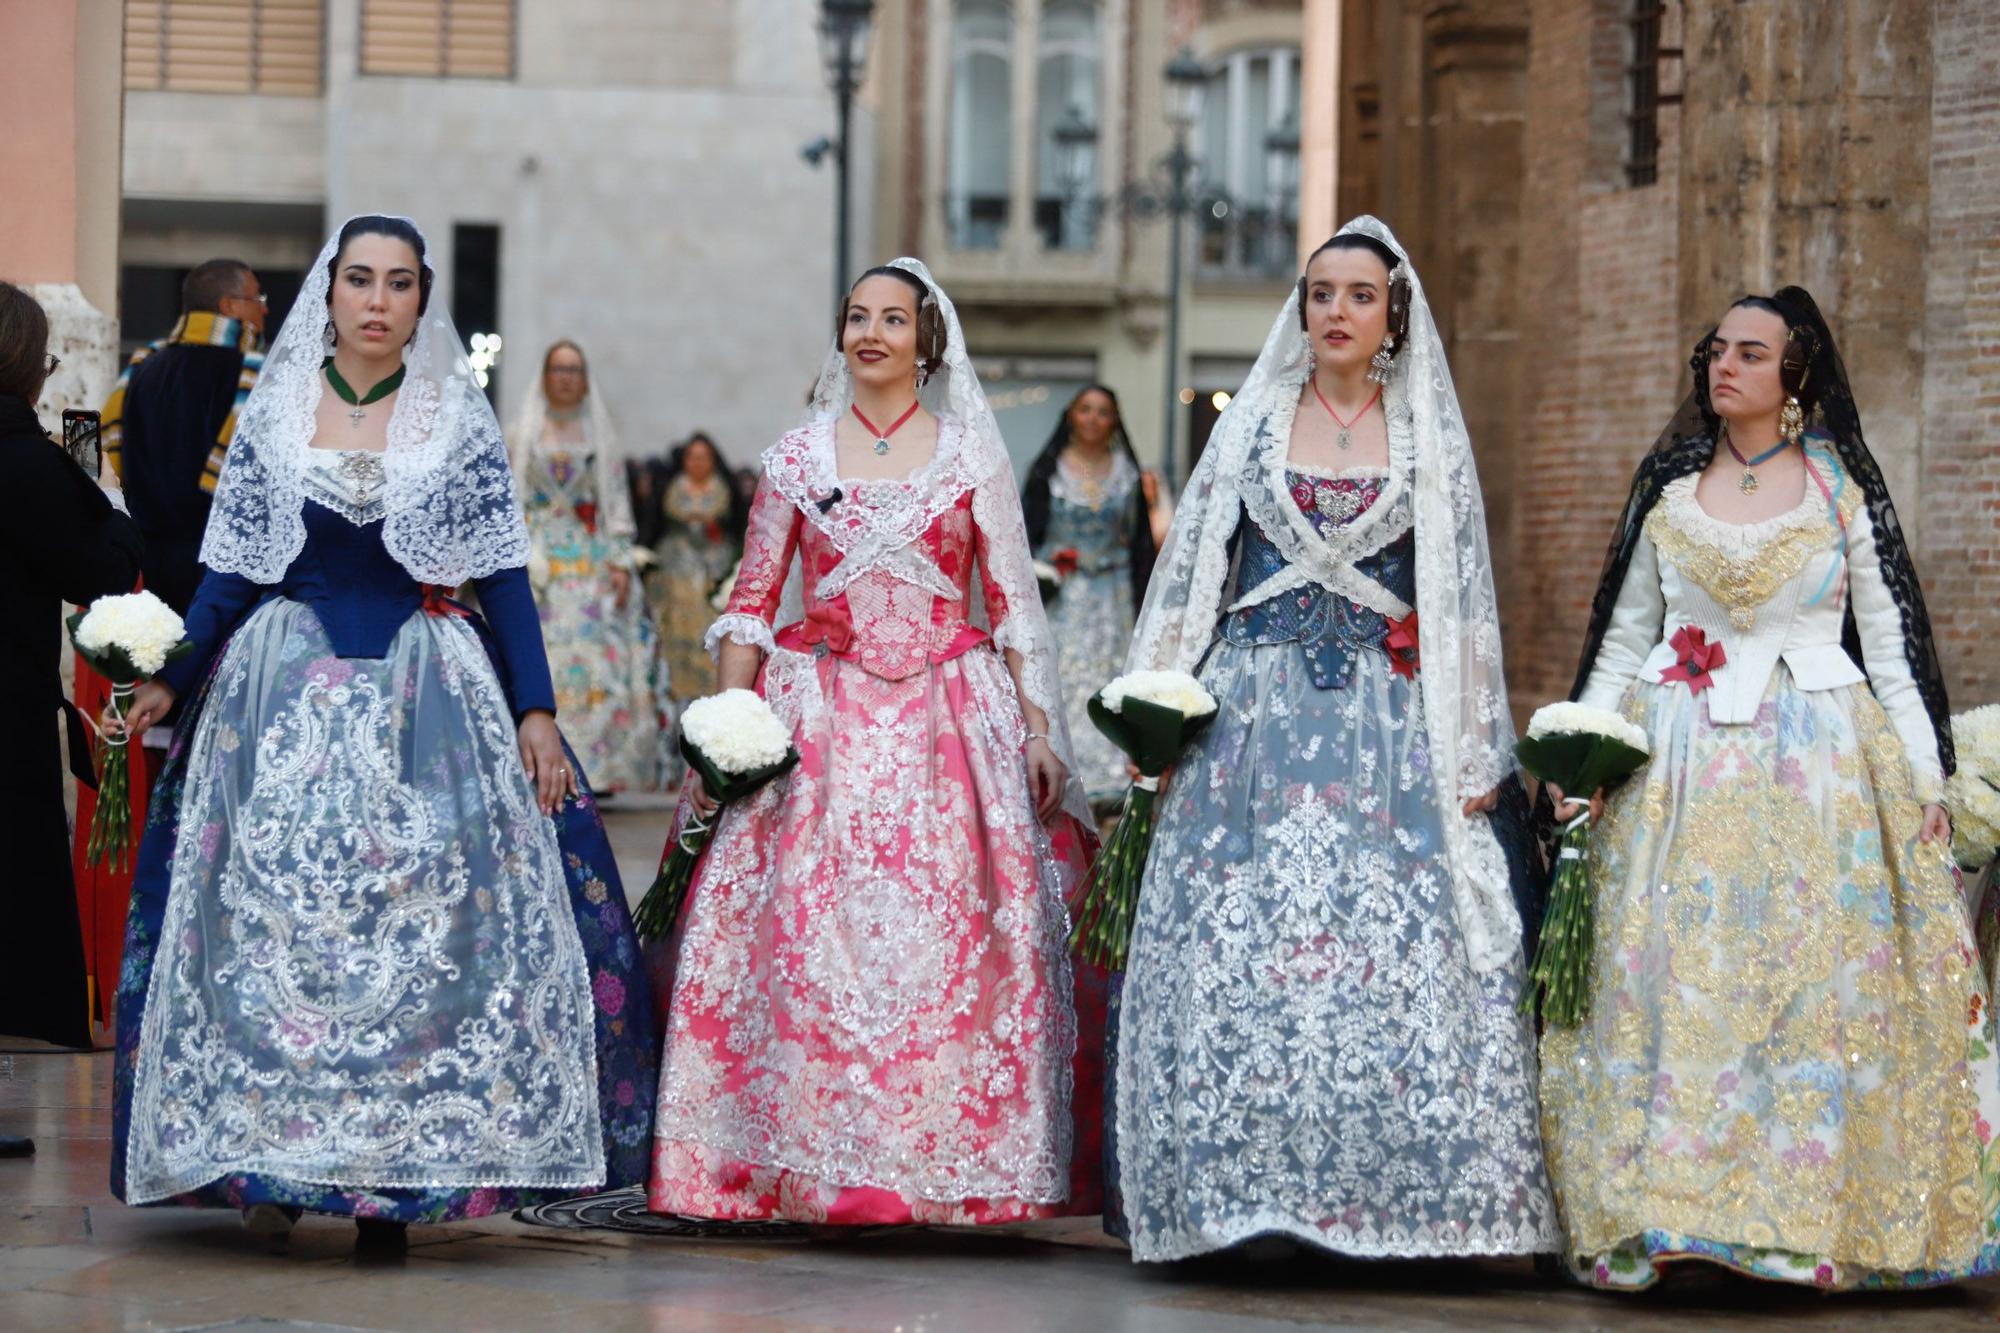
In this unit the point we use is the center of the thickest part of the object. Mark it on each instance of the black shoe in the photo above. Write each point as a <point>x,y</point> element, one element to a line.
<point>15,1147</point>
<point>373,1235</point>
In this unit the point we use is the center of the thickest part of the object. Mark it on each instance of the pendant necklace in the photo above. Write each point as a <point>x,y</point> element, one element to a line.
<point>1747,483</point>
<point>882,436</point>
<point>1342,439</point>
<point>356,402</point>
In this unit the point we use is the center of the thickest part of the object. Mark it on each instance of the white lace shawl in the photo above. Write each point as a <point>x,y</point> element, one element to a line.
<point>614,497</point>
<point>452,514</point>
<point>970,456</point>
<point>1471,732</point>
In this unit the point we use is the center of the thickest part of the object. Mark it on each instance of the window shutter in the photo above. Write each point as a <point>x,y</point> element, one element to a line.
<point>471,39</point>
<point>223,46</point>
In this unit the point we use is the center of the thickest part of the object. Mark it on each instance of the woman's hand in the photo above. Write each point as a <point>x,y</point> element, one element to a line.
<point>1937,824</point>
<point>1482,805</point>
<point>704,805</point>
<point>542,754</point>
<point>150,702</point>
<point>621,586</point>
<point>1567,809</point>
<point>1046,775</point>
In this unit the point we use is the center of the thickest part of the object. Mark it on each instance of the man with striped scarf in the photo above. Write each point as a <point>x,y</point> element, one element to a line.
<point>167,424</point>
<point>166,427</point>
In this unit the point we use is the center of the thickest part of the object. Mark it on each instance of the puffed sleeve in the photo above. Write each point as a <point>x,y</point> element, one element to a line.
<point>769,544</point>
<point>1636,622</point>
<point>1880,623</point>
<point>508,601</point>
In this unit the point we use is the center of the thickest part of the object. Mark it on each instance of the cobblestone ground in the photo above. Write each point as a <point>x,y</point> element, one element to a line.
<point>73,1260</point>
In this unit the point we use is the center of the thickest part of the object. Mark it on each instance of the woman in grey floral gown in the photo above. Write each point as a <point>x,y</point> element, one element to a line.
<point>1318,1031</point>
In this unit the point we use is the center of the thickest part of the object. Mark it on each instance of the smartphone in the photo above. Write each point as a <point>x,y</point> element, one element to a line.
<point>83,437</point>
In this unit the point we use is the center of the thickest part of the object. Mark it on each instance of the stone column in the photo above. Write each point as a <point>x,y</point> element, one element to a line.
<point>63,101</point>
<point>1320,95</point>
<point>1803,162</point>
<point>1466,242</point>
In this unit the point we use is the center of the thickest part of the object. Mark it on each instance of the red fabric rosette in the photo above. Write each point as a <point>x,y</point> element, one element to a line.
<point>1695,658</point>
<point>827,624</point>
<point>1401,645</point>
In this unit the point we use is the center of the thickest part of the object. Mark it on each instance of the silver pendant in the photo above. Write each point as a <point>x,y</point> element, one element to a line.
<point>1344,440</point>
<point>1747,483</point>
<point>881,448</point>
<point>355,414</point>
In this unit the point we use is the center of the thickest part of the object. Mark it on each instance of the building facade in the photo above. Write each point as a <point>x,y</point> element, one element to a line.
<point>626,173</point>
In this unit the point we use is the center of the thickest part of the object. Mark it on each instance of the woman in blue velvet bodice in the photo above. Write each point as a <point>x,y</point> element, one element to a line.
<point>378,961</point>
<point>1317,1035</point>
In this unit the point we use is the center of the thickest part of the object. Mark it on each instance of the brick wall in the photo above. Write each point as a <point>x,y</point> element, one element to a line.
<point>1959,527</point>
<point>1605,360</point>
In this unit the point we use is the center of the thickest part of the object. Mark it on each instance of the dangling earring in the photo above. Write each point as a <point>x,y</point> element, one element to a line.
<point>1792,419</point>
<point>1378,364</point>
<point>328,338</point>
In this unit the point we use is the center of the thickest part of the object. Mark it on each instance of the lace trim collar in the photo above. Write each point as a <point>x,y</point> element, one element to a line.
<point>1684,509</point>
<point>350,482</point>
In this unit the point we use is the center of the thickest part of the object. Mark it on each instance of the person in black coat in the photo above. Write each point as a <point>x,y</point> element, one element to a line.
<point>63,541</point>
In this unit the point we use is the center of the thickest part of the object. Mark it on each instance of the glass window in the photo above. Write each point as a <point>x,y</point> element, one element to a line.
<point>982,68</point>
<point>1246,232</point>
<point>1066,81</point>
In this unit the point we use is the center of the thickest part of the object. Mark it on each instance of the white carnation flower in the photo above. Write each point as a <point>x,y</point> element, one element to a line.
<point>1972,794</point>
<point>139,624</point>
<point>736,730</point>
<point>1571,719</point>
<point>1169,689</point>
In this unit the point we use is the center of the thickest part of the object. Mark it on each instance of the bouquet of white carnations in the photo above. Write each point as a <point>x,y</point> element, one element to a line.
<point>737,744</point>
<point>1580,749</point>
<point>1151,716</point>
<point>127,639</point>
<point>1972,794</point>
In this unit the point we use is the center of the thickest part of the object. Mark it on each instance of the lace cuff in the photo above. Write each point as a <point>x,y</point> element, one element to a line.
<point>739,627</point>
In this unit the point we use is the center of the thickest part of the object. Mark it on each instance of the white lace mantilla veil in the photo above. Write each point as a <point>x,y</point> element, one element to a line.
<point>971,456</point>
<point>453,514</point>
<point>614,498</point>
<point>1464,693</point>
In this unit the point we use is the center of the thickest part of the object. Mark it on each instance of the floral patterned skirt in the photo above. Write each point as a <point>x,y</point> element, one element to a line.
<point>1788,1067</point>
<point>604,660</point>
<point>1304,1048</point>
<point>335,869</point>
<point>873,1015</point>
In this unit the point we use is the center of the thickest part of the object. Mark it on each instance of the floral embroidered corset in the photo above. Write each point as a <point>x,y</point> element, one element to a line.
<point>891,610</point>
<point>1329,629</point>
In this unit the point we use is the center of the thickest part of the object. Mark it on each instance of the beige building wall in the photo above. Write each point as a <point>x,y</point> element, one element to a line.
<point>643,167</point>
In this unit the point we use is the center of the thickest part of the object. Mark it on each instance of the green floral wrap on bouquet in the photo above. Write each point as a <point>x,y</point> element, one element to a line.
<point>1152,735</point>
<point>661,906</point>
<point>128,639</point>
<point>1580,750</point>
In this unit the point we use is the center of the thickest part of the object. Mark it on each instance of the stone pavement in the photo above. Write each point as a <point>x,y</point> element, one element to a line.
<point>72,1260</point>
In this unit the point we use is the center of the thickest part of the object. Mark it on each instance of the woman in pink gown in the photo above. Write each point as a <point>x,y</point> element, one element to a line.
<point>873,1015</point>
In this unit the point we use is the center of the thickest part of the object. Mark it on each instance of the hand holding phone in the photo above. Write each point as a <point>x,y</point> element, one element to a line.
<point>83,435</point>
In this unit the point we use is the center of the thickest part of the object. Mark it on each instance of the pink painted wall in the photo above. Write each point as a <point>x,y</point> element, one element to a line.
<point>38,201</point>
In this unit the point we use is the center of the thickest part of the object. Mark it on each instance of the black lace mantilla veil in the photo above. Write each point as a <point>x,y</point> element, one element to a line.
<point>1834,422</point>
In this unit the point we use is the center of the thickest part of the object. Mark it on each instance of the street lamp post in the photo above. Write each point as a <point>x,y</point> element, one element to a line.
<point>1075,139</point>
<point>1186,80</point>
<point>843,47</point>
